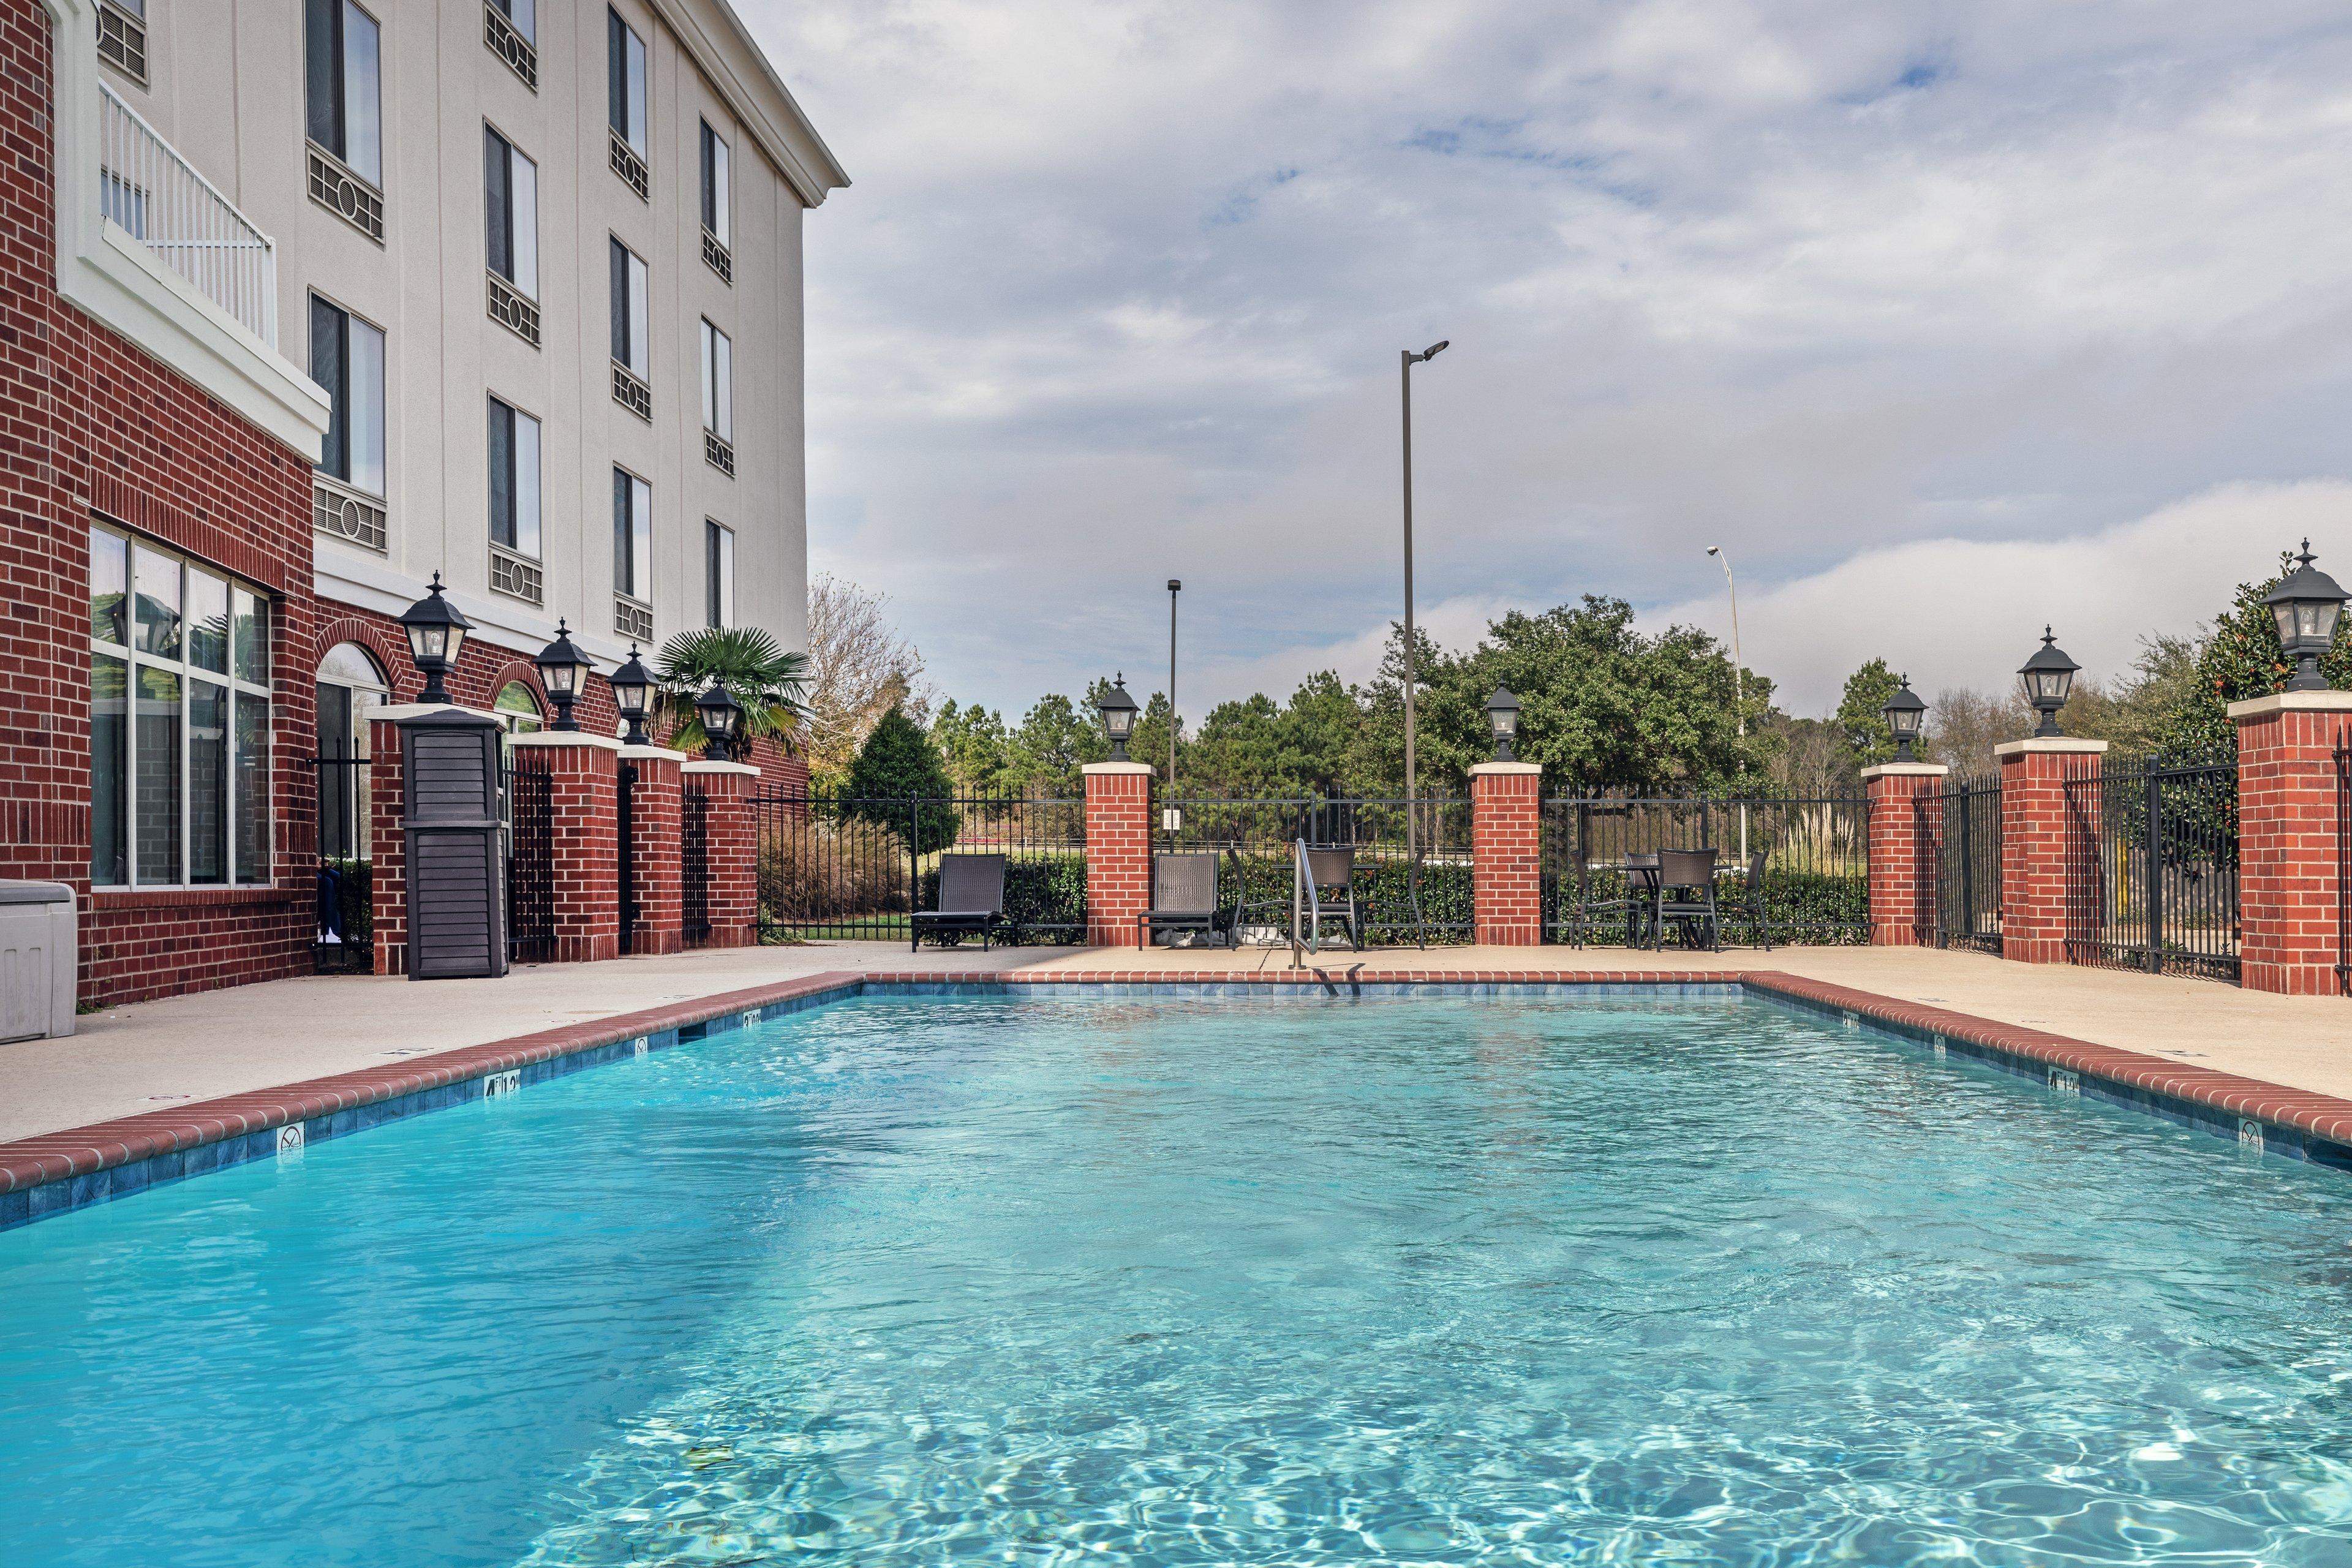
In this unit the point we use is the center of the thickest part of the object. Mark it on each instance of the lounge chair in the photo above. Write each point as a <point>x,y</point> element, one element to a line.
<point>1686,893</point>
<point>1326,887</point>
<point>1184,897</point>
<point>971,898</point>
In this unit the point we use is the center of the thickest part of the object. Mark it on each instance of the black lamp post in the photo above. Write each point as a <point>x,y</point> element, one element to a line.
<point>719,713</point>
<point>1502,720</point>
<point>1904,712</point>
<point>2048,676</point>
<point>2307,607</point>
<point>632,684</point>
<point>437,629</point>
<point>1118,710</point>
<point>561,669</point>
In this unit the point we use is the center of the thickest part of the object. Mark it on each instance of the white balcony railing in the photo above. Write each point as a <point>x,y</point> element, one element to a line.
<point>145,186</point>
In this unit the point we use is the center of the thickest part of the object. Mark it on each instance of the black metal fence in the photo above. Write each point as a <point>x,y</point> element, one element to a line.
<point>2151,852</point>
<point>853,867</point>
<point>694,866</point>
<point>1957,860</point>
<point>1256,838</point>
<point>1815,849</point>
<point>530,809</point>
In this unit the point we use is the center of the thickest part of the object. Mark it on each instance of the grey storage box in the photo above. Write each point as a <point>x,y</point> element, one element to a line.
<point>36,961</point>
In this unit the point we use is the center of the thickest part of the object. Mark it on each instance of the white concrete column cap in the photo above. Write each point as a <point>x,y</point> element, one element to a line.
<point>2059,743</point>
<point>653,754</point>
<point>700,767</point>
<point>1505,769</point>
<point>2292,702</point>
<point>1904,771</point>
<point>552,739</point>
<point>1115,769</point>
<point>394,712</point>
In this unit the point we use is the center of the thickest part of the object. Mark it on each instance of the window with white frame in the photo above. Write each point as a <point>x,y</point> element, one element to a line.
<point>718,383</point>
<point>522,15</point>
<point>511,188</point>
<point>347,359</point>
<point>632,536</point>
<point>718,571</point>
<point>350,686</point>
<point>630,288</point>
<point>625,66</point>
<point>514,480</point>
<point>342,84</point>
<point>179,680</point>
<point>715,195</point>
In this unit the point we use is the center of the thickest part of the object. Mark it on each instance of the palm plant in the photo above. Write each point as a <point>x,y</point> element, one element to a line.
<point>768,681</point>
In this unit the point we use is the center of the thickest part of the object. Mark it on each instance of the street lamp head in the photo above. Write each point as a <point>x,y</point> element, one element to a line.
<point>1174,584</point>
<point>719,713</point>
<point>561,671</point>
<point>632,684</point>
<point>2307,607</point>
<point>2049,676</point>
<point>1903,713</point>
<point>1715,550</point>
<point>1118,710</point>
<point>1503,721</point>
<point>437,630</point>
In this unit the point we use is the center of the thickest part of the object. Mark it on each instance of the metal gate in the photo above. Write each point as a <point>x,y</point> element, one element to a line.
<point>530,859</point>
<point>694,866</point>
<point>839,867</point>
<point>2152,868</point>
<point>1958,856</point>
<point>626,850</point>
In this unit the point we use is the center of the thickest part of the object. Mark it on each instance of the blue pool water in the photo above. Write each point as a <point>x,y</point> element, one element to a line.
<point>912,1281</point>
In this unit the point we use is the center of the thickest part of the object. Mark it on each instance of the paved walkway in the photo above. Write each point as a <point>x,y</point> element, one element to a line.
<point>155,1054</point>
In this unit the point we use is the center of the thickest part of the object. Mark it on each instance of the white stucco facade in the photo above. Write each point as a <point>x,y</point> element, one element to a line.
<point>224,83</point>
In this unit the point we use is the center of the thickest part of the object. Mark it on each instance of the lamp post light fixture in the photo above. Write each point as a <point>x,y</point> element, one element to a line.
<point>1503,721</point>
<point>1904,714</point>
<point>437,629</point>
<point>2049,676</point>
<point>632,685</point>
<point>1118,710</point>
<point>561,669</point>
<point>720,713</point>
<point>2307,607</point>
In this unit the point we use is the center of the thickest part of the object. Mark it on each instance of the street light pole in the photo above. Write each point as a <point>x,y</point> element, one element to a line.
<point>1738,686</point>
<point>1407,359</point>
<point>1169,820</point>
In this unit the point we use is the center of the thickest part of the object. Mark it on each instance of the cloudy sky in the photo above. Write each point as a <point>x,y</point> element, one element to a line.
<point>1944,320</point>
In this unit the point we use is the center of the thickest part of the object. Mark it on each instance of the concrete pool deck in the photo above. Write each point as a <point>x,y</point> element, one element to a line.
<point>155,1056</point>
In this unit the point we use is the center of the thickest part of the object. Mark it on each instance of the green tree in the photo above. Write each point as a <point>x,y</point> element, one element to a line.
<point>768,681</point>
<point>897,766</point>
<point>1053,744</point>
<point>1861,717</point>
<point>975,746</point>
<point>2239,658</point>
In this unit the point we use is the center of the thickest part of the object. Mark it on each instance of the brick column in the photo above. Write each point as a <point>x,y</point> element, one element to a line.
<point>387,844</point>
<point>2287,827</point>
<point>731,849</point>
<point>2034,842</point>
<point>1118,851</point>
<point>655,806</point>
<point>1506,854</point>
<point>1905,830</point>
<point>584,817</point>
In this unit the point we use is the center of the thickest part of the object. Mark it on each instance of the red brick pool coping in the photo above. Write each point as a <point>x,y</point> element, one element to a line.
<point>81,1151</point>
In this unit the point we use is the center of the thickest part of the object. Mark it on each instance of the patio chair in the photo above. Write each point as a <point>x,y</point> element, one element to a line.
<point>971,898</point>
<point>1636,907</point>
<point>1184,890</point>
<point>1687,894</point>
<point>1326,887</point>
<point>1759,925</point>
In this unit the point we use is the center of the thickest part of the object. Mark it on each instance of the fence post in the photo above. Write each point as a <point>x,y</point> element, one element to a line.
<point>386,846</point>
<point>585,819</point>
<point>2288,889</point>
<point>655,814</point>
<point>2035,836</point>
<point>1901,795</point>
<point>730,850</point>
<point>1506,854</point>
<point>1118,851</point>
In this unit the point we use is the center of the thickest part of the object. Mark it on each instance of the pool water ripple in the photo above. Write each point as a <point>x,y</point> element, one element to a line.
<point>1164,1282</point>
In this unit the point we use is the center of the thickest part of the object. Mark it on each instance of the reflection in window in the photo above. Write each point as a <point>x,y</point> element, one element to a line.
<point>109,783</point>
<point>156,803</point>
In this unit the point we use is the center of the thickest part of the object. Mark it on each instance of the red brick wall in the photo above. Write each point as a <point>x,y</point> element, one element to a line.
<point>388,857</point>
<point>1904,833</point>
<point>2034,851</point>
<point>93,425</point>
<point>1507,860</point>
<point>2287,850</point>
<point>584,815</point>
<point>1119,852</point>
<point>654,826</point>
<point>732,852</point>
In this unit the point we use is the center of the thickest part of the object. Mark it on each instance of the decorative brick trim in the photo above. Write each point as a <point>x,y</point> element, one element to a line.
<point>391,653</point>
<point>523,669</point>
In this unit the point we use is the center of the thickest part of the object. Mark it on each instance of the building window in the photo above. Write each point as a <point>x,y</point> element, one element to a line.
<point>716,201</point>
<point>632,351</point>
<point>347,359</point>
<point>718,573</point>
<point>349,686</point>
<point>624,71</point>
<point>510,28</point>
<point>511,230</point>
<point>717,399</point>
<point>514,502</point>
<point>122,37</point>
<point>179,720</point>
<point>342,93</point>
<point>517,706</point>
<point>633,554</point>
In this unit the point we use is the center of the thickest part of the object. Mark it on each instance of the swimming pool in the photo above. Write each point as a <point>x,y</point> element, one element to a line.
<point>906,1279</point>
